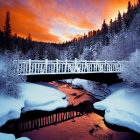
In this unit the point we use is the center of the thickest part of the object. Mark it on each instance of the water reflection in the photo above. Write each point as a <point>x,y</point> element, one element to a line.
<point>46,120</point>
<point>76,96</point>
<point>37,119</point>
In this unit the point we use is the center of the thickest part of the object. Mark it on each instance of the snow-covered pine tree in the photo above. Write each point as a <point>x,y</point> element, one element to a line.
<point>10,80</point>
<point>131,75</point>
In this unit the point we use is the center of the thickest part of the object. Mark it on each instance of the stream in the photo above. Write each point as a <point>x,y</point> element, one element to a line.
<point>79,121</point>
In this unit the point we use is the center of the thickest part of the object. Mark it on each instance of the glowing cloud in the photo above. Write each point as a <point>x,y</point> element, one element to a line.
<point>58,20</point>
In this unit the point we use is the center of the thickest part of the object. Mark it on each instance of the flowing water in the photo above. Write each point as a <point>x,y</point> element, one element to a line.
<point>77,122</point>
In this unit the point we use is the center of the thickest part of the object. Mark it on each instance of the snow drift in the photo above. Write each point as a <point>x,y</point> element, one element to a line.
<point>39,97</point>
<point>4,136</point>
<point>33,97</point>
<point>122,107</point>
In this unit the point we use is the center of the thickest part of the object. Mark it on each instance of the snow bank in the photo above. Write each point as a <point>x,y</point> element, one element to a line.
<point>122,107</point>
<point>38,97</point>
<point>32,97</point>
<point>98,90</point>
<point>10,108</point>
<point>4,136</point>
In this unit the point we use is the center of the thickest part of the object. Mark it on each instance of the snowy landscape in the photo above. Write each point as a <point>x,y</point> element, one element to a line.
<point>112,45</point>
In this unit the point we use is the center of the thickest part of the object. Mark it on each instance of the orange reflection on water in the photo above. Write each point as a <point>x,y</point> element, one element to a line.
<point>75,96</point>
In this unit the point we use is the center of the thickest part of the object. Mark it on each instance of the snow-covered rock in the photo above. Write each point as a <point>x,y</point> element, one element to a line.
<point>122,107</point>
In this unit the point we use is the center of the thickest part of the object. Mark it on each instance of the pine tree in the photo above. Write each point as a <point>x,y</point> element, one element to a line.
<point>111,28</point>
<point>94,33</point>
<point>29,38</point>
<point>111,22</point>
<point>104,28</point>
<point>119,22</point>
<point>127,17</point>
<point>104,31</point>
<point>29,41</point>
<point>7,31</point>
<point>1,41</point>
<point>137,7</point>
<point>124,15</point>
<point>138,2</point>
<point>119,17</point>
<point>129,6</point>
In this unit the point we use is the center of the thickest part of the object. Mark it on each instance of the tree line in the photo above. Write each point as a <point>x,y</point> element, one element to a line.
<point>89,46</point>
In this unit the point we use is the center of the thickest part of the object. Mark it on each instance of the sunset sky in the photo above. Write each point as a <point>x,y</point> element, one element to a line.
<point>59,20</point>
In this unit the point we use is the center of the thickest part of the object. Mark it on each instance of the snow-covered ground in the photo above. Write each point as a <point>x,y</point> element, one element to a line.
<point>4,136</point>
<point>99,91</point>
<point>39,97</point>
<point>10,108</point>
<point>122,107</point>
<point>2,64</point>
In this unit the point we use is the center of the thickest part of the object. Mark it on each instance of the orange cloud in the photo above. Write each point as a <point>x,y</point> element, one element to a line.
<point>40,17</point>
<point>24,21</point>
<point>70,16</point>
